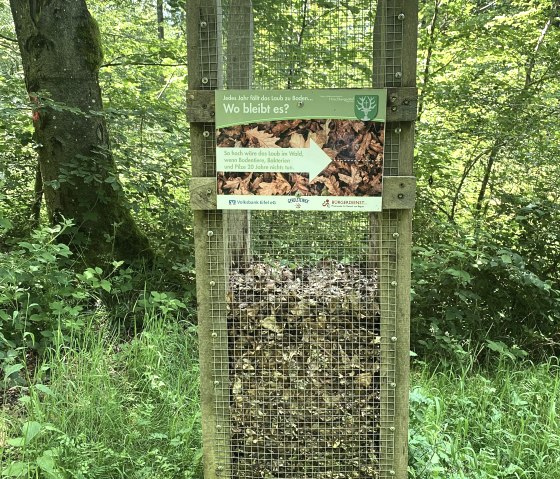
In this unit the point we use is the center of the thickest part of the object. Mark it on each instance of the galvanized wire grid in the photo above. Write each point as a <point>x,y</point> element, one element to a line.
<point>304,318</point>
<point>300,381</point>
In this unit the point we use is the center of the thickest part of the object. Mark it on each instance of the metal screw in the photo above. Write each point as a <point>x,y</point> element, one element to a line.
<point>400,196</point>
<point>398,74</point>
<point>203,24</point>
<point>392,428</point>
<point>394,338</point>
<point>406,101</point>
<point>210,233</point>
<point>212,283</point>
<point>216,383</point>
<point>300,104</point>
<point>401,16</point>
<point>395,235</point>
<point>398,131</point>
<point>218,427</point>
<point>214,335</point>
<point>393,283</point>
<point>208,191</point>
<point>394,99</point>
<point>393,385</point>
<point>204,80</point>
<point>393,108</point>
<point>206,134</point>
<point>392,473</point>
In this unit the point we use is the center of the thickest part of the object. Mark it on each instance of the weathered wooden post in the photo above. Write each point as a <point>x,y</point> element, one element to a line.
<point>303,315</point>
<point>394,65</point>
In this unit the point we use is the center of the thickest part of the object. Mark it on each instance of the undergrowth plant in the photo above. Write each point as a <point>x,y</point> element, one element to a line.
<point>48,295</point>
<point>496,423</point>
<point>101,408</point>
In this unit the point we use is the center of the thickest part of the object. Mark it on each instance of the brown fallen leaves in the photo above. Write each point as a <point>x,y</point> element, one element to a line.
<point>355,147</point>
<point>304,372</point>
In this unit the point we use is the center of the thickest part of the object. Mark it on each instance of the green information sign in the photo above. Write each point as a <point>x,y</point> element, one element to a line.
<point>300,149</point>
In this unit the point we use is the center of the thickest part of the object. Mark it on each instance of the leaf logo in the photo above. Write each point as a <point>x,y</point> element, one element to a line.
<point>365,106</point>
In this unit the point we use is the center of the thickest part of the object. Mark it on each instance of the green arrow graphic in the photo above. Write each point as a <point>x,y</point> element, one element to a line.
<point>310,160</point>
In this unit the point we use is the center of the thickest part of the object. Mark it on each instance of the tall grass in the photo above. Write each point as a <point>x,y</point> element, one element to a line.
<point>502,422</point>
<point>113,409</point>
<point>108,408</point>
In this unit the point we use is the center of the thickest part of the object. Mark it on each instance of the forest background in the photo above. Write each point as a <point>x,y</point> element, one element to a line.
<point>98,351</point>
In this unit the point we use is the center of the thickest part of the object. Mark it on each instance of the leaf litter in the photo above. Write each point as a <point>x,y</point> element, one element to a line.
<point>355,148</point>
<point>304,372</point>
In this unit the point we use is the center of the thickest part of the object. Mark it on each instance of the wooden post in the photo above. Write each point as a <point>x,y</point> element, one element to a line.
<point>205,72</point>
<point>239,75</point>
<point>393,233</point>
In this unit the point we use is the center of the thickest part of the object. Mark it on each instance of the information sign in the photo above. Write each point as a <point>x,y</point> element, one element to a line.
<point>300,149</point>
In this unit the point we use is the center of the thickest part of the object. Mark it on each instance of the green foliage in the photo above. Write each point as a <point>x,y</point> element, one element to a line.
<point>478,425</point>
<point>45,297</point>
<point>102,408</point>
<point>472,289</point>
<point>486,225</point>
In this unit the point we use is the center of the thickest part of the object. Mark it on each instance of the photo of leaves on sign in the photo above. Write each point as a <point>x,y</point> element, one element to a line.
<point>355,148</point>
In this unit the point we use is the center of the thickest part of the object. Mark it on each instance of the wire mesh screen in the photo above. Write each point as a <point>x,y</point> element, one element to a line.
<point>302,304</point>
<point>308,340</point>
<point>300,44</point>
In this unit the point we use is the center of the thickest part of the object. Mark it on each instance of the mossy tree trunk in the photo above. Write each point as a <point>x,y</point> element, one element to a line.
<point>61,53</point>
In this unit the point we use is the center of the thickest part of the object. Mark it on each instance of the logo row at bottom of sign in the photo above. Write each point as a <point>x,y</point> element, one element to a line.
<point>303,203</point>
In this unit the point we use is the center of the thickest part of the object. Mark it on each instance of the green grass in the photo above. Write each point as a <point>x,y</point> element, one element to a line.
<point>108,408</point>
<point>113,409</point>
<point>503,422</point>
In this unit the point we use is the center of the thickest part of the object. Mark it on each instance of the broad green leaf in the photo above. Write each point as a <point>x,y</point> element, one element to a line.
<point>106,285</point>
<point>30,429</point>
<point>44,389</point>
<point>16,442</point>
<point>47,464</point>
<point>16,469</point>
<point>14,368</point>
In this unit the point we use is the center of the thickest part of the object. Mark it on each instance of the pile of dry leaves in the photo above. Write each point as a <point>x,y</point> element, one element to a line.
<point>304,372</point>
<point>355,147</point>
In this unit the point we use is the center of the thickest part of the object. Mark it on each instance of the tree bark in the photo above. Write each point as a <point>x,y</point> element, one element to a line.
<point>37,198</point>
<point>159,7</point>
<point>61,53</point>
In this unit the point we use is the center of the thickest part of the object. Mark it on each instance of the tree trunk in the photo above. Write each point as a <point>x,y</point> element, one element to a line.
<point>37,199</point>
<point>159,7</point>
<point>61,53</point>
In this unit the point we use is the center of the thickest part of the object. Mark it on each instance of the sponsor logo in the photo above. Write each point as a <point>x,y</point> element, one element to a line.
<point>326,204</point>
<point>232,202</point>
<point>365,106</point>
<point>298,201</point>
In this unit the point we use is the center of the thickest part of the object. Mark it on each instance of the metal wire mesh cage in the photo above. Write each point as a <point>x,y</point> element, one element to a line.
<point>300,312</point>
